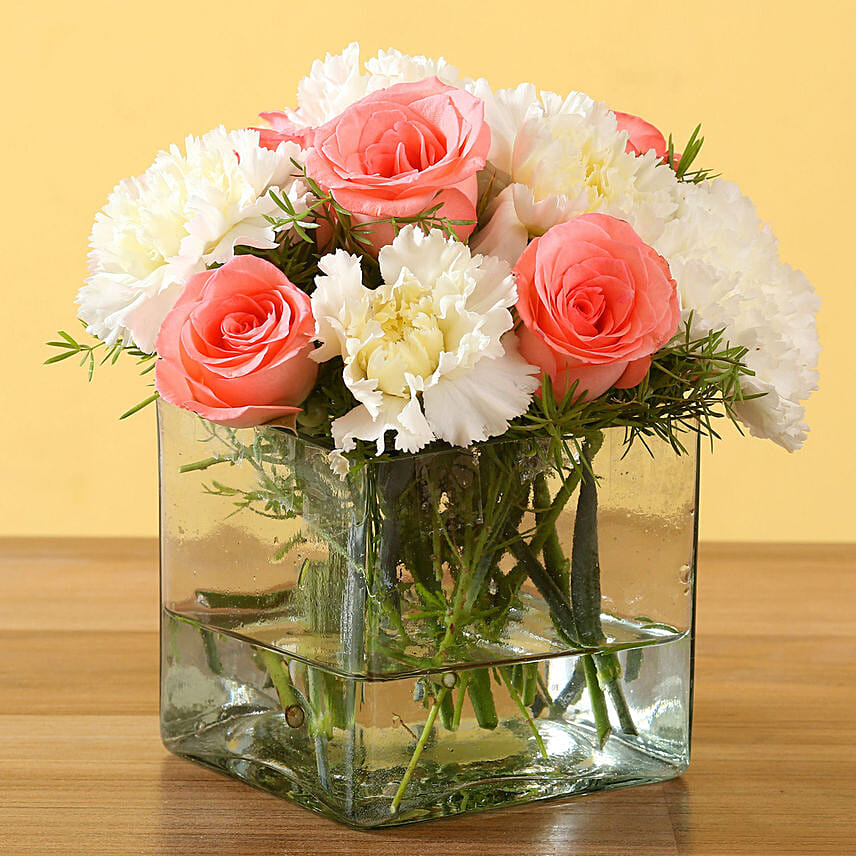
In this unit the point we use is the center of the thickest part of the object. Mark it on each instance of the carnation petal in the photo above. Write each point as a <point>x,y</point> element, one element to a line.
<point>481,403</point>
<point>188,210</point>
<point>515,217</point>
<point>144,317</point>
<point>440,316</point>
<point>339,302</point>
<point>571,148</point>
<point>730,277</point>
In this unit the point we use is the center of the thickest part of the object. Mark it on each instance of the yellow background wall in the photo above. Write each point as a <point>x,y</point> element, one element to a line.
<point>92,88</point>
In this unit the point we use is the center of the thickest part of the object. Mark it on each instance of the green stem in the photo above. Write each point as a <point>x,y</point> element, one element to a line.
<point>212,655</point>
<point>569,485</point>
<point>524,710</point>
<point>579,620</point>
<point>551,516</point>
<point>472,569</point>
<point>530,683</point>
<point>598,702</point>
<point>278,672</point>
<point>481,698</point>
<point>586,592</point>
<point>321,760</point>
<point>585,562</point>
<point>459,703</point>
<point>420,746</point>
<point>563,616</point>
<point>447,709</point>
<point>504,500</point>
<point>204,464</point>
<point>244,600</point>
<point>609,669</point>
<point>572,691</point>
<point>334,691</point>
<point>554,559</point>
<point>320,723</point>
<point>545,691</point>
<point>353,641</point>
<point>394,477</point>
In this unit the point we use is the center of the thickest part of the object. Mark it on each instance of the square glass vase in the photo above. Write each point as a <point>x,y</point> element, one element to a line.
<point>432,634</point>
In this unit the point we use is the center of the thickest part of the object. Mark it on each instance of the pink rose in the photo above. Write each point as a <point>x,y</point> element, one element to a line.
<point>643,135</point>
<point>282,130</point>
<point>402,150</point>
<point>595,302</point>
<point>235,347</point>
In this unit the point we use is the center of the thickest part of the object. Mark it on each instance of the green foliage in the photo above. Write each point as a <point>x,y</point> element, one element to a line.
<point>687,159</point>
<point>329,400</point>
<point>140,405</point>
<point>693,382</point>
<point>298,260</point>
<point>91,354</point>
<point>273,495</point>
<point>300,247</point>
<point>100,353</point>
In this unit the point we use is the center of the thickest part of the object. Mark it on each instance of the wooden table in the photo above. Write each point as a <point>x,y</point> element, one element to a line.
<point>82,770</point>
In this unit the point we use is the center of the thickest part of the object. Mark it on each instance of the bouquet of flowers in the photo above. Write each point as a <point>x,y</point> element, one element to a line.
<point>411,261</point>
<point>436,248</point>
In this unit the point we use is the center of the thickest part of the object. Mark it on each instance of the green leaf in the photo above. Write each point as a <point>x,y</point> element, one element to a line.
<point>138,407</point>
<point>59,357</point>
<point>688,157</point>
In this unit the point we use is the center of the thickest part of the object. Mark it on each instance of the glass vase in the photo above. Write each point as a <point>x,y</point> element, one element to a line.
<point>429,634</point>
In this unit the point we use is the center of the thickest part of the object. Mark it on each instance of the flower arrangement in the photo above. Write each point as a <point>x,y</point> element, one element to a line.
<point>458,244</point>
<point>413,262</point>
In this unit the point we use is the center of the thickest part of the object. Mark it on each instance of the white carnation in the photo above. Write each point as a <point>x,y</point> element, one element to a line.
<point>514,217</point>
<point>333,84</point>
<point>185,212</point>
<point>391,67</point>
<point>428,354</point>
<point>728,271</point>
<point>507,111</point>
<point>563,157</point>
<point>338,81</point>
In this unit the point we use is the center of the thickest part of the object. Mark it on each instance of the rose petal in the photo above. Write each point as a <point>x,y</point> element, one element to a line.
<point>402,150</point>
<point>595,302</point>
<point>236,347</point>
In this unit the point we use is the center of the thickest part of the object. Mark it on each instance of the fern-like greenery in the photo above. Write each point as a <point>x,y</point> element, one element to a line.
<point>98,353</point>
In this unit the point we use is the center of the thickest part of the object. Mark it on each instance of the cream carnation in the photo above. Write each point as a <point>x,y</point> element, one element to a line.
<point>508,110</point>
<point>338,81</point>
<point>333,84</point>
<point>561,158</point>
<point>391,67</point>
<point>428,354</point>
<point>729,275</point>
<point>187,211</point>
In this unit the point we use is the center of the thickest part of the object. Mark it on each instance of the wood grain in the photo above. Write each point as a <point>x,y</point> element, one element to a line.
<point>82,770</point>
